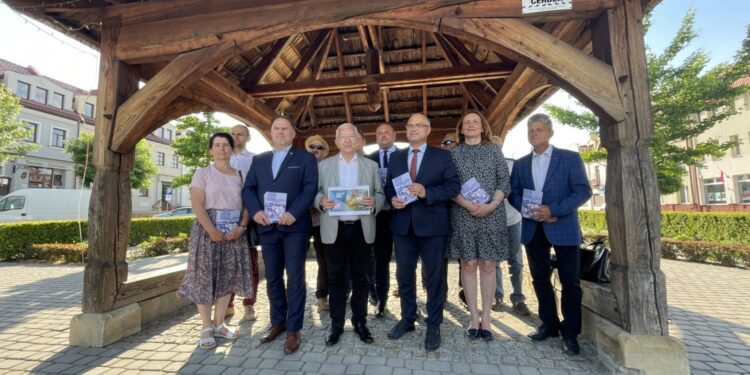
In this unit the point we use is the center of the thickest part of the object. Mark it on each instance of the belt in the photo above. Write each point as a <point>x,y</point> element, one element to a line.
<point>349,222</point>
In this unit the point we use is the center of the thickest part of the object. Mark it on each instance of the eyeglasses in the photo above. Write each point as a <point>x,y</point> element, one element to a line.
<point>448,142</point>
<point>417,126</point>
<point>316,147</point>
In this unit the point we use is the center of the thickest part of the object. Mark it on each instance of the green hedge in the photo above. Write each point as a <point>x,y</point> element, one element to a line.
<point>686,226</point>
<point>16,237</point>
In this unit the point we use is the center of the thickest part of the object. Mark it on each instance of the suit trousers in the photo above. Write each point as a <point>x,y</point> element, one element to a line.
<point>350,251</point>
<point>285,250</point>
<point>568,269</point>
<point>321,289</point>
<point>383,247</point>
<point>409,249</point>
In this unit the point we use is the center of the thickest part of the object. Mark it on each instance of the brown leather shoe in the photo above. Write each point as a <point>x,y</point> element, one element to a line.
<point>273,332</point>
<point>292,342</point>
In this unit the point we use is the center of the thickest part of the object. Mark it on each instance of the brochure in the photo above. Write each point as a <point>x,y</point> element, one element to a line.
<point>348,200</point>
<point>531,199</point>
<point>399,184</point>
<point>274,205</point>
<point>471,191</point>
<point>227,220</point>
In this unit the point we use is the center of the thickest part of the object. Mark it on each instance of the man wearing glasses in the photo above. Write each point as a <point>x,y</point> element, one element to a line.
<point>317,146</point>
<point>420,228</point>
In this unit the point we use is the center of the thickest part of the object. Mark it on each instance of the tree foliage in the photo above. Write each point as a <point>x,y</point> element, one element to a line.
<point>192,147</point>
<point>140,176</point>
<point>687,99</point>
<point>11,130</point>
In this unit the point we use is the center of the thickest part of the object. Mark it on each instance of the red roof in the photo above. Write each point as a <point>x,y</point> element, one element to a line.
<point>744,81</point>
<point>64,113</point>
<point>6,65</point>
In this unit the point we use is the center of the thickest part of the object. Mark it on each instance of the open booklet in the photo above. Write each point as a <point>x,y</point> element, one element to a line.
<point>471,191</point>
<point>399,184</point>
<point>348,200</point>
<point>274,205</point>
<point>531,199</point>
<point>227,220</point>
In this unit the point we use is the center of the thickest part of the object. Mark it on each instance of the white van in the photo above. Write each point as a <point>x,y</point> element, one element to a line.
<point>45,204</point>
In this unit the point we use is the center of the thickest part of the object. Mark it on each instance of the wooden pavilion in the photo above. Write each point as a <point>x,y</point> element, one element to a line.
<point>324,62</point>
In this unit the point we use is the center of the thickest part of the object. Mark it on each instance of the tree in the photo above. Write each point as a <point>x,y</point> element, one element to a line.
<point>81,150</point>
<point>192,147</point>
<point>11,130</point>
<point>687,99</point>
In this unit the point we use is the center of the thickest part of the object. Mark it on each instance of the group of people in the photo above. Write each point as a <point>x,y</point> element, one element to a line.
<point>423,204</point>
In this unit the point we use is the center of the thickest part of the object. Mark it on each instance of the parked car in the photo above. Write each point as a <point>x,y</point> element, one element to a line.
<point>181,211</point>
<point>45,204</point>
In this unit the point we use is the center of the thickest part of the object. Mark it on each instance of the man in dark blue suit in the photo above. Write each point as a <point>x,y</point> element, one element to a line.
<point>560,176</point>
<point>420,228</point>
<point>284,244</point>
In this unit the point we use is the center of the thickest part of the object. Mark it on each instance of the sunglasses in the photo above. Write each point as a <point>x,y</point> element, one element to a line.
<point>448,142</point>
<point>316,147</point>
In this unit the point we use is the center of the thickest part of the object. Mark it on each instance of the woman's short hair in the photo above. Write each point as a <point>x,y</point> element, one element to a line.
<point>220,135</point>
<point>486,131</point>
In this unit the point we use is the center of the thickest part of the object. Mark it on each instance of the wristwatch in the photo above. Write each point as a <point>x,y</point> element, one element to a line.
<point>497,203</point>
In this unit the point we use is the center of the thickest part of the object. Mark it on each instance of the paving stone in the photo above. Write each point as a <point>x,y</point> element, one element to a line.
<point>378,370</point>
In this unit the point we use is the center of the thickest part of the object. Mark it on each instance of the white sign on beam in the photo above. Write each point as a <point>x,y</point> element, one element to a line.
<point>535,6</point>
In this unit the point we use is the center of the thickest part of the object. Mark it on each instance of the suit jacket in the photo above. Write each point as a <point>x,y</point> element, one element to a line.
<point>566,188</point>
<point>297,177</point>
<point>427,216</point>
<point>367,174</point>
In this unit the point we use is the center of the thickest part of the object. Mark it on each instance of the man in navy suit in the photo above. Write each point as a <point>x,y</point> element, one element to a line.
<point>561,178</point>
<point>420,228</point>
<point>284,244</point>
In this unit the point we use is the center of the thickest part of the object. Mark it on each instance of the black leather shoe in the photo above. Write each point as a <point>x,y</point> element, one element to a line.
<point>542,334</point>
<point>333,337</point>
<point>381,311</point>
<point>432,339</point>
<point>400,329</point>
<point>571,347</point>
<point>364,334</point>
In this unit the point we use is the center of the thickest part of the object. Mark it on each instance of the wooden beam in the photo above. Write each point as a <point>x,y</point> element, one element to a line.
<point>302,105</point>
<point>340,60</point>
<point>376,37</point>
<point>473,89</point>
<point>150,284</point>
<point>259,72</point>
<point>470,59</point>
<point>222,95</point>
<point>136,116</point>
<point>391,80</point>
<point>424,66</point>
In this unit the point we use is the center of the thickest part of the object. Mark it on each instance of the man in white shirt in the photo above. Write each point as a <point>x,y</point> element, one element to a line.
<point>241,160</point>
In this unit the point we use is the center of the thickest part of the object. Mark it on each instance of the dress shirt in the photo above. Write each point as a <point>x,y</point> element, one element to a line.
<point>539,167</point>
<point>420,155</point>
<point>348,173</point>
<point>242,161</point>
<point>383,153</point>
<point>278,158</point>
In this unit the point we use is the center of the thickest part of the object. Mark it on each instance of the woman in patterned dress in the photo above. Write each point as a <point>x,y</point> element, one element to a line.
<point>479,232</point>
<point>219,258</point>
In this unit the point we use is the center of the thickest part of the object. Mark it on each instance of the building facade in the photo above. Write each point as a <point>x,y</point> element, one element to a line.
<point>55,112</point>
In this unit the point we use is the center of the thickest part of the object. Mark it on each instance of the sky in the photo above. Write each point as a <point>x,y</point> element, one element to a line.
<point>721,27</point>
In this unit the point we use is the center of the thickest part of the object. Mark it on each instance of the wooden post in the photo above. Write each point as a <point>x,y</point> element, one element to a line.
<point>633,210</point>
<point>110,207</point>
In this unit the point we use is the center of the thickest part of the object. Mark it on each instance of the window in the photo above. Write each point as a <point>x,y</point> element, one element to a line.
<point>684,195</point>
<point>12,203</point>
<point>58,100</point>
<point>159,132</point>
<point>32,128</point>
<point>160,159</point>
<point>58,138</point>
<point>715,193</point>
<point>88,109</point>
<point>22,89</point>
<point>40,95</point>
<point>175,161</point>
<point>744,188</point>
<point>143,192</point>
<point>735,150</point>
<point>168,134</point>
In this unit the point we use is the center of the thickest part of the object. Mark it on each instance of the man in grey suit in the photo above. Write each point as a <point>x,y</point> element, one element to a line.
<point>348,239</point>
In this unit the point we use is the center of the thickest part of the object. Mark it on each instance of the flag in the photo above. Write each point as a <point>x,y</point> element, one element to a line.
<point>721,178</point>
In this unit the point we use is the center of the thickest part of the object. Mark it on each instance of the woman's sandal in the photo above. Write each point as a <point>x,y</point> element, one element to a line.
<point>207,342</point>
<point>472,333</point>
<point>232,333</point>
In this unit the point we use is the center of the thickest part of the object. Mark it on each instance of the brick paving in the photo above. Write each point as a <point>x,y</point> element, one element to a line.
<point>38,300</point>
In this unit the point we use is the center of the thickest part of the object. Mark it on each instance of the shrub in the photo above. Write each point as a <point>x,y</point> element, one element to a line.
<point>57,252</point>
<point>156,245</point>
<point>15,238</point>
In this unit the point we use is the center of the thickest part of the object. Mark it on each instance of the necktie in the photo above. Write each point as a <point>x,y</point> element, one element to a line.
<point>413,167</point>
<point>385,159</point>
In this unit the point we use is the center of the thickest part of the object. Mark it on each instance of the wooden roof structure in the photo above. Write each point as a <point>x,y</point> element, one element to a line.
<point>324,62</point>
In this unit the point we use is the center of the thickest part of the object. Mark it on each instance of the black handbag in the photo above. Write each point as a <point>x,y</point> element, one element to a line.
<point>595,262</point>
